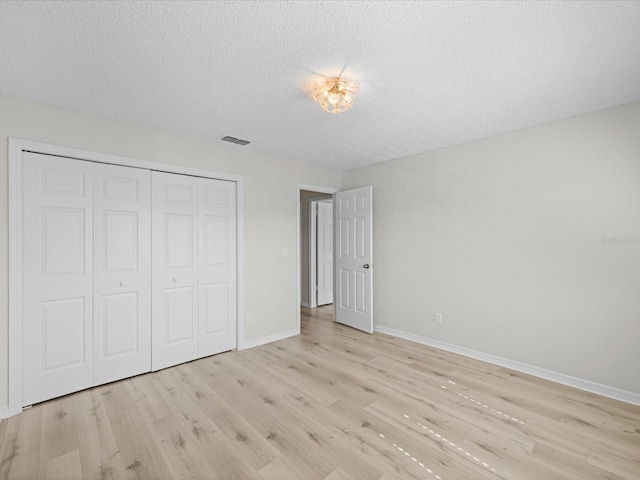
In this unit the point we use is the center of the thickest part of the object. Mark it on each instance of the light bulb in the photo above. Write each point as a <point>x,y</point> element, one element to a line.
<point>333,98</point>
<point>336,95</point>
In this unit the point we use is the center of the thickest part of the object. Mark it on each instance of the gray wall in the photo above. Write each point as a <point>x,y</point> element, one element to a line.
<point>528,243</point>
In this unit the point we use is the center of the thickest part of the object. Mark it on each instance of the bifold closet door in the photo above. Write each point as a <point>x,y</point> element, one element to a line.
<point>125,270</point>
<point>217,266</point>
<point>194,268</point>
<point>122,272</point>
<point>57,288</point>
<point>175,269</point>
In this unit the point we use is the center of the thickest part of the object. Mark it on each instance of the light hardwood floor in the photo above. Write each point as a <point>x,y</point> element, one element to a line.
<point>330,404</point>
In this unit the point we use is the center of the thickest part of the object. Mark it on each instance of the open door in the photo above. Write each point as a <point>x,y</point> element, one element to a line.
<point>354,248</point>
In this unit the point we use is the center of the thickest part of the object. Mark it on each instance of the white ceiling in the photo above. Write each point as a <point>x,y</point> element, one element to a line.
<point>432,74</point>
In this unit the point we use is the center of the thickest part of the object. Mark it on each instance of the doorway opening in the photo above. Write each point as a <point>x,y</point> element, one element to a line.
<point>309,197</point>
<point>352,232</point>
<point>316,249</point>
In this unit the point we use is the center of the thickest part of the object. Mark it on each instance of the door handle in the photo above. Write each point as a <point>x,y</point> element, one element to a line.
<point>174,279</point>
<point>366,265</point>
<point>123,283</point>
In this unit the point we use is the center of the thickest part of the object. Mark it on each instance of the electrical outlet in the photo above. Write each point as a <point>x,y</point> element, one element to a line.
<point>249,319</point>
<point>439,318</point>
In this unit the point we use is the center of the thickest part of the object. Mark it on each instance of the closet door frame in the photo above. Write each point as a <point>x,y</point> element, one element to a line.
<point>16,149</point>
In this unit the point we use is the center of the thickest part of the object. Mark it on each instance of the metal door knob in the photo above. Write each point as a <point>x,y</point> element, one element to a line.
<point>366,265</point>
<point>175,279</point>
<point>123,283</point>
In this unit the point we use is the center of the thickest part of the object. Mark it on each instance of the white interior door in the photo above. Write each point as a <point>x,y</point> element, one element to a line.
<point>175,269</point>
<point>354,248</point>
<point>217,266</point>
<point>122,272</point>
<point>57,302</point>
<point>324,249</point>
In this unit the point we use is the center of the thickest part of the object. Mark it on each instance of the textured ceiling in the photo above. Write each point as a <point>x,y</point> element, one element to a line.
<point>432,74</point>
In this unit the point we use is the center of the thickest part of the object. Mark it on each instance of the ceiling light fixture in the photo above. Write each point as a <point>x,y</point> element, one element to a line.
<point>335,95</point>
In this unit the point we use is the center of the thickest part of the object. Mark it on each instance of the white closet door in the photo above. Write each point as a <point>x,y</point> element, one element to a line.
<point>175,269</point>
<point>122,272</point>
<point>217,266</point>
<point>57,231</point>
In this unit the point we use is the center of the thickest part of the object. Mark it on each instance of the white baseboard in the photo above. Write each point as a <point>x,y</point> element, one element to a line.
<point>270,338</point>
<point>4,412</point>
<point>304,304</point>
<point>587,385</point>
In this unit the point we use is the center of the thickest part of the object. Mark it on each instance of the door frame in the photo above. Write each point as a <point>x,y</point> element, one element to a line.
<point>16,148</point>
<point>312,188</point>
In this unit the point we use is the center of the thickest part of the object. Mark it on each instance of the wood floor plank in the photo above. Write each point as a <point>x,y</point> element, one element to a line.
<point>281,468</point>
<point>568,467</point>
<point>615,462</point>
<point>140,454</point>
<point>338,474</point>
<point>58,429</point>
<point>3,429</point>
<point>180,453</point>
<point>20,449</point>
<point>150,405</point>
<point>319,436</point>
<point>225,452</point>
<point>249,446</point>
<point>64,467</point>
<point>330,404</point>
<point>270,417</point>
<point>99,453</point>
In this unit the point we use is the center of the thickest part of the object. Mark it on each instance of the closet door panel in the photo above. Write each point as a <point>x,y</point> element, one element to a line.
<point>217,266</point>
<point>57,316</point>
<point>175,269</point>
<point>122,272</point>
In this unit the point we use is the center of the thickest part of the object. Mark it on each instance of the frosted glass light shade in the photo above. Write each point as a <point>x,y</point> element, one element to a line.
<point>336,95</point>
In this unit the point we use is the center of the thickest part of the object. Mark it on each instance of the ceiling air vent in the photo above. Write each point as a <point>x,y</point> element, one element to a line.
<point>235,140</point>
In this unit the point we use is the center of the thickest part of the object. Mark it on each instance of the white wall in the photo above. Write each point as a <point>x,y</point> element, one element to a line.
<point>506,237</point>
<point>271,198</point>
